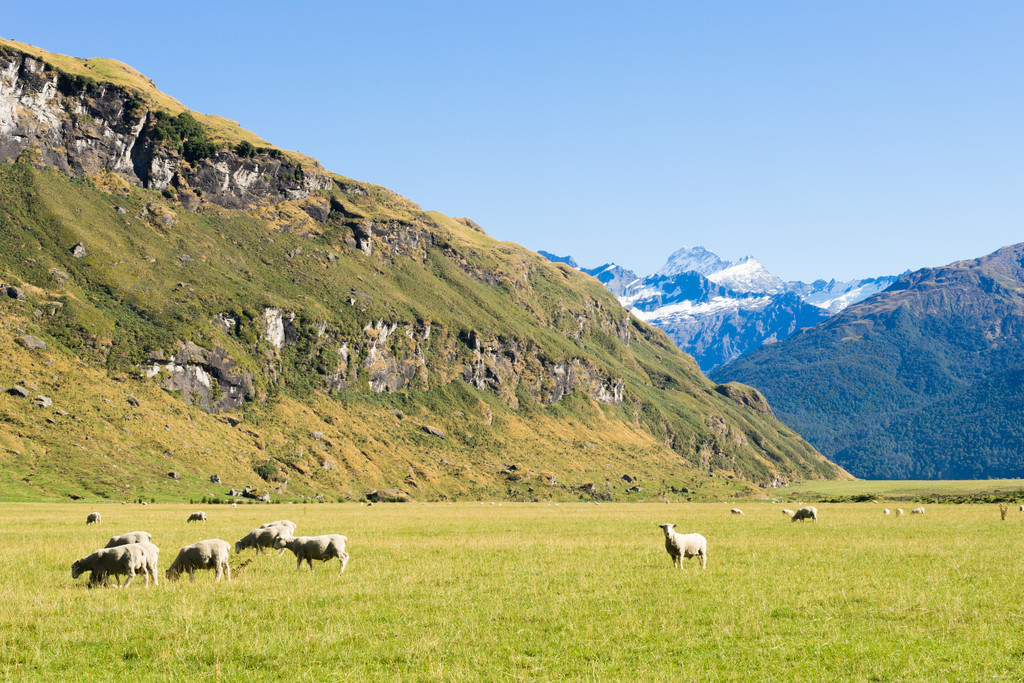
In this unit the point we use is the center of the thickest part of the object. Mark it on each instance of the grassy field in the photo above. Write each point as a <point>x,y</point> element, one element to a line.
<point>529,592</point>
<point>905,489</point>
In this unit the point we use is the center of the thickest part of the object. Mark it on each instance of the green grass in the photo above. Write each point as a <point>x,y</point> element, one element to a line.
<point>528,591</point>
<point>906,489</point>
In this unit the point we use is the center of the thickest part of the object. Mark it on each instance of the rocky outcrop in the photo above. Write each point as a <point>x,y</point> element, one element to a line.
<point>83,127</point>
<point>206,378</point>
<point>747,396</point>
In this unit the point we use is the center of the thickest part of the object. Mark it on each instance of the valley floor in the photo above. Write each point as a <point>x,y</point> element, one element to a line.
<point>528,591</point>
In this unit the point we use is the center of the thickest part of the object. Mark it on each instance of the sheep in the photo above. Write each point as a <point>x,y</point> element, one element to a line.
<point>917,511</point>
<point>260,539</point>
<point>788,512</point>
<point>212,553</point>
<point>196,517</point>
<point>93,518</point>
<point>809,512</point>
<point>122,560</point>
<point>309,548</point>
<point>1022,508</point>
<point>886,511</point>
<point>282,523</point>
<point>680,546</point>
<point>736,511</point>
<point>130,537</point>
<point>899,511</point>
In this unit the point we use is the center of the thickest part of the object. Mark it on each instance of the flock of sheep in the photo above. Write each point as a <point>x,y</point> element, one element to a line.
<point>134,553</point>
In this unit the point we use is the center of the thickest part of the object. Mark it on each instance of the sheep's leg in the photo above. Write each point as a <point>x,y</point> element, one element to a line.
<point>192,574</point>
<point>703,560</point>
<point>310,561</point>
<point>227,569</point>
<point>131,577</point>
<point>298,565</point>
<point>343,559</point>
<point>220,570</point>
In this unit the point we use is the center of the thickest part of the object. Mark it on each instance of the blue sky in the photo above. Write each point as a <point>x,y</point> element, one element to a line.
<point>838,139</point>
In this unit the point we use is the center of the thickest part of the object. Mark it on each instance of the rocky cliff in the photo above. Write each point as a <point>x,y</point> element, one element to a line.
<point>349,338</point>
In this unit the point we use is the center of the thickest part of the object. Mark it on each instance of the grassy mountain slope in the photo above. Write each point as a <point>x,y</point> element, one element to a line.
<point>915,382</point>
<point>306,341</point>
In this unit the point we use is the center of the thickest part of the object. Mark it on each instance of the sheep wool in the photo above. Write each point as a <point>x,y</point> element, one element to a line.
<point>681,546</point>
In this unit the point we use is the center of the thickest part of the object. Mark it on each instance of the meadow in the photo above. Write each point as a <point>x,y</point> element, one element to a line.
<point>528,592</point>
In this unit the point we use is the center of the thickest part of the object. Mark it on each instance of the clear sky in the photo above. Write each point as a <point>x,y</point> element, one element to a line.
<point>828,139</point>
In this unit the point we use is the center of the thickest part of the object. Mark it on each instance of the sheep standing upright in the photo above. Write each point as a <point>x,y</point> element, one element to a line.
<point>917,511</point>
<point>196,517</point>
<point>144,558</point>
<point>212,553</point>
<point>680,546</point>
<point>309,548</point>
<point>809,512</point>
<point>93,518</point>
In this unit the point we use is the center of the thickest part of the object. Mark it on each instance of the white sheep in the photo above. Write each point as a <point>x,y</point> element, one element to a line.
<point>899,511</point>
<point>736,511</point>
<point>130,537</point>
<point>260,539</point>
<point>917,511</point>
<point>196,517</point>
<point>93,518</point>
<point>886,511</point>
<point>212,553</point>
<point>291,526</point>
<point>788,512</point>
<point>122,560</point>
<point>309,548</point>
<point>680,546</point>
<point>809,512</point>
<point>1022,508</point>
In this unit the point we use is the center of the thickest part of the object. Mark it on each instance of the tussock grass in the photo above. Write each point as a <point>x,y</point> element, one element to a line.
<point>530,591</point>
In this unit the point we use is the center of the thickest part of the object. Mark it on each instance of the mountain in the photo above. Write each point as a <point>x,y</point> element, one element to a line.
<point>920,381</point>
<point>567,260</point>
<point>717,310</point>
<point>188,309</point>
<point>614,277</point>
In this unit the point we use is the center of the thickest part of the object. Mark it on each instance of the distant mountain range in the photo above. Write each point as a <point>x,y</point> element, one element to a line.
<point>924,380</point>
<point>718,310</point>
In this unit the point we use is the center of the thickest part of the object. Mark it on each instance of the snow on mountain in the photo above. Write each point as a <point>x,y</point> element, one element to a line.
<point>717,310</point>
<point>748,275</point>
<point>835,296</point>
<point>696,259</point>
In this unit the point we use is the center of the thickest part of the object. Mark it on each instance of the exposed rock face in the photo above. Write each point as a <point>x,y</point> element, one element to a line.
<point>203,377</point>
<point>32,343</point>
<point>744,395</point>
<point>87,128</point>
<point>388,496</point>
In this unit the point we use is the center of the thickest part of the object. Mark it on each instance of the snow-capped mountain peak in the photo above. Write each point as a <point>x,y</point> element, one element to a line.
<point>697,259</point>
<point>748,275</point>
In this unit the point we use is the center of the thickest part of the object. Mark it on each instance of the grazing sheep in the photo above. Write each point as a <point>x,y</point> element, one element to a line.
<point>196,517</point>
<point>212,553</point>
<point>809,512</point>
<point>681,546</point>
<point>93,518</point>
<point>736,511</point>
<point>899,511</point>
<point>130,537</point>
<point>917,511</point>
<point>309,548</point>
<point>291,526</point>
<point>122,560</point>
<point>788,512</point>
<point>1022,508</point>
<point>886,510</point>
<point>260,539</point>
